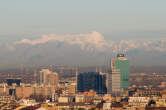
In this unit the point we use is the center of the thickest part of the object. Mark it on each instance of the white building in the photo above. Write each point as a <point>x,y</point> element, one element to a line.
<point>63,99</point>
<point>80,98</point>
<point>138,101</point>
<point>48,77</point>
<point>107,105</point>
<point>115,82</point>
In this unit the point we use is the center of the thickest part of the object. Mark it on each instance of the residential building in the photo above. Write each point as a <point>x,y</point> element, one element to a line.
<point>47,77</point>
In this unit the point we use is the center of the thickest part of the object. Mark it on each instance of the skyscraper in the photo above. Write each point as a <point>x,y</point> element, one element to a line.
<point>91,81</point>
<point>115,82</point>
<point>120,71</point>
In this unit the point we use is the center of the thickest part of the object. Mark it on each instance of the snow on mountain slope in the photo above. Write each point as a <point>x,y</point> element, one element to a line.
<point>95,41</point>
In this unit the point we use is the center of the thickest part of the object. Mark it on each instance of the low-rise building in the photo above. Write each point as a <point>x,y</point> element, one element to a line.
<point>138,101</point>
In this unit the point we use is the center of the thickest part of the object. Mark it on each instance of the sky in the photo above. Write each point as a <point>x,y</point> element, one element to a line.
<point>115,19</point>
<point>82,30</point>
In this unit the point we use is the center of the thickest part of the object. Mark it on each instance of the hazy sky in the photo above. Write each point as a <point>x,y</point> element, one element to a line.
<point>126,20</point>
<point>115,19</point>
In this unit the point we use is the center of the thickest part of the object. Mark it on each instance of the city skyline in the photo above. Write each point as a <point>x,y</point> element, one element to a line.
<point>82,55</point>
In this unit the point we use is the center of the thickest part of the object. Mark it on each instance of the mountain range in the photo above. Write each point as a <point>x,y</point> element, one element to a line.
<point>80,49</point>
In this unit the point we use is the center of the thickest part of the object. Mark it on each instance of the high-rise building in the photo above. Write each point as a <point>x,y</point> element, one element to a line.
<point>115,82</point>
<point>120,71</point>
<point>48,77</point>
<point>91,81</point>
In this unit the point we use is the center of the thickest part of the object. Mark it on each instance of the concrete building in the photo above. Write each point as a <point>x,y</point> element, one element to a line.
<point>107,105</point>
<point>47,77</point>
<point>115,79</point>
<point>68,89</point>
<point>138,101</point>
<point>80,98</point>
<point>27,91</point>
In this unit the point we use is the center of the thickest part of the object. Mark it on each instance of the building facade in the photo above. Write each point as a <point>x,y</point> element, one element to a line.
<point>47,77</point>
<point>115,80</point>
<point>120,72</point>
<point>92,81</point>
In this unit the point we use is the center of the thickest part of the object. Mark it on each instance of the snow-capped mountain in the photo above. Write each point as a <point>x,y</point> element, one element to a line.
<point>78,49</point>
<point>95,41</point>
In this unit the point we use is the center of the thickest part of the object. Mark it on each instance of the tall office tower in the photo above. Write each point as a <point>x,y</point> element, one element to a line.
<point>109,82</point>
<point>120,71</point>
<point>115,82</point>
<point>48,77</point>
<point>91,81</point>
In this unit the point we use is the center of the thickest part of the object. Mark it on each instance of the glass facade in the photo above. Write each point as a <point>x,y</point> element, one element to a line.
<point>124,67</point>
<point>91,81</point>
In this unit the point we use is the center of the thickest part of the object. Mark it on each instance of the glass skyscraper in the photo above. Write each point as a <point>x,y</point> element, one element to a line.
<point>120,68</point>
<point>122,64</point>
<point>92,81</point>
